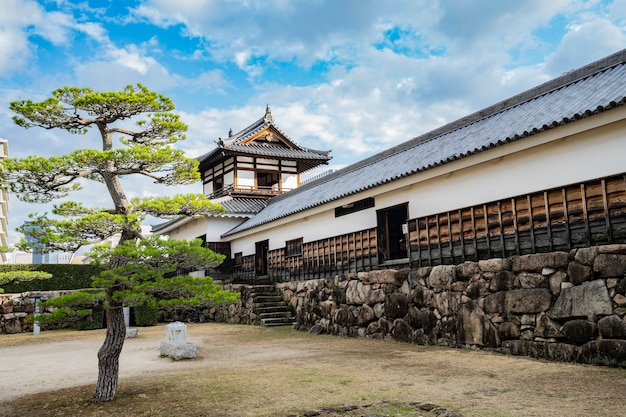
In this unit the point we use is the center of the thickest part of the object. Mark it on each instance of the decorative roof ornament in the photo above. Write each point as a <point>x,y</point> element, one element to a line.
<point>268,115</point>
<point>230,133</point>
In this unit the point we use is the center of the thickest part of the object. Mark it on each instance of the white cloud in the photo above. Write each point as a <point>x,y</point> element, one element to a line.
<point>16,18</point>
<point>584,43</point>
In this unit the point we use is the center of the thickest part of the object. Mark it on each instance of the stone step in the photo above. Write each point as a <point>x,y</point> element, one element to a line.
<point>254,296</point>
<point>263,288</point>
<point>264,305</point>
<point>283,321</point>
<point>276,314</point>
<point>271,308</point>
<point>267,299</point>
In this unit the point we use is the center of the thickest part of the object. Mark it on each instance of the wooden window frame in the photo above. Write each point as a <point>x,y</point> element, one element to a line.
<point>293,248</point>
<point>359,205</point>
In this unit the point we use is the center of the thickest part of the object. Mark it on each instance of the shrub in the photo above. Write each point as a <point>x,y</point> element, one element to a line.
<point>64,277</point>
<point>146,315</point>
<point>93,320</point>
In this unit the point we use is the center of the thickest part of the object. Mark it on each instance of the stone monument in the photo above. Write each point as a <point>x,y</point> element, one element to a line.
<point>175,344</point>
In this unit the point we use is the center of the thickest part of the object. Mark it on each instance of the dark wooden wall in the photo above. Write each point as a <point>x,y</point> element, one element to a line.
<point>580,215</point>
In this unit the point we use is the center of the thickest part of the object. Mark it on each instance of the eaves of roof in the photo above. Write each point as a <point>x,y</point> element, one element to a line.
<point>236,207</point>
<point>578,94</point>
<point>278,151</point>
<point>241,206</point>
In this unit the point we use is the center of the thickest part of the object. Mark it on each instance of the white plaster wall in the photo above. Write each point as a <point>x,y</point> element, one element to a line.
<point>290,181</point>
<point>188,231</point>
<point>245,179</point>
<point>229,178</point>
<point>547,160</point>
<point>216,227</point>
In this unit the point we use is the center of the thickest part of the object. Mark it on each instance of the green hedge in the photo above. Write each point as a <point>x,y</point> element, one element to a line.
<point>64,277</point>
<point>93,321</point>
<point>146,315</point>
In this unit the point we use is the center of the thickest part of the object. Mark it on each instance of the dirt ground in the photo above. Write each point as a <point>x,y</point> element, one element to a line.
<point>307,373</point>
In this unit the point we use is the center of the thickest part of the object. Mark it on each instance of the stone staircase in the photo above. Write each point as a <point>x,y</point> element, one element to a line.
<point>270,307</point>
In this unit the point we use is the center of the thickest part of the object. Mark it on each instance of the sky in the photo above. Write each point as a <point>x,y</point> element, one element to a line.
<point>351,76</point>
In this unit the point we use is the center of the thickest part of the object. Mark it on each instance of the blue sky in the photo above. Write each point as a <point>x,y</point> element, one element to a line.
<point>351,76</point>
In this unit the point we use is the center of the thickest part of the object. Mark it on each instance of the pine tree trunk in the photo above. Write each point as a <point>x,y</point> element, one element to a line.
<point>109,354</point>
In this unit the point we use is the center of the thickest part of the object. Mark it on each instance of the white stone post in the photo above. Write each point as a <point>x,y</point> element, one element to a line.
<point>36,323</point>
<point>175,344</point>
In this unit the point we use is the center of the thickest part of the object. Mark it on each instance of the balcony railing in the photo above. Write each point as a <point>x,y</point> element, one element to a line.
<point>232,190</point>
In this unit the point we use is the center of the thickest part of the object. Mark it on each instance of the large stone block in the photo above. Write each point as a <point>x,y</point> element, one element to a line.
<point>421,296</point>
<point>376,296</point>
<point>561,352</point>
<point>579,331</point>
<point>396,305</point>
<point>530,280</point>
<point>427,319</point>
<point>383,276</point>
<point>412,317</point>
<point>534,300</point>
<point>588,299</point>
<point>603,352</point>
<point>402,331</point>
<point>494,264</point>
<point>547,328</point>
<point>579,273</point>
<point>344,317</point>
<point>365,316</point>
<point>612,327</point>
<point>447,302</point>
<point>474,327</point>
<point>509,330</point>
<point>538,261</point>
<point>441,277</point>
<point>467,270</point>
<point>586,256</point>
<point>502,281</point>
<point>357,293</point>
<point>610,265</point>
<point>556,280</point>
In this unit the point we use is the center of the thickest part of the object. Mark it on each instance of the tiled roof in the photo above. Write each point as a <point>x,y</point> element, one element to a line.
<point>578,94</point>
<point>241,205</point>
<point>278,151</point>
<point>234,206</point>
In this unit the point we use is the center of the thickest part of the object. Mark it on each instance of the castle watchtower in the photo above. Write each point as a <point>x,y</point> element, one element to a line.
<point>260,161</point>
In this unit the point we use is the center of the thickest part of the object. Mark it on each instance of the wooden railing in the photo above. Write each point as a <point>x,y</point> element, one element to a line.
<point>232,190</point>
<point>322,258</point>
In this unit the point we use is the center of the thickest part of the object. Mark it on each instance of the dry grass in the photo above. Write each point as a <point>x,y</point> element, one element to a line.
<point>253,371</point>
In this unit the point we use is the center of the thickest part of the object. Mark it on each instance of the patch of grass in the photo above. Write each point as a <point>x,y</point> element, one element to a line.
<point>395,409</point>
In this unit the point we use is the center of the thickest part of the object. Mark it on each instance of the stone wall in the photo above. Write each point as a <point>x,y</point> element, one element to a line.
<point>15,310</point>
<point>558,306</point>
